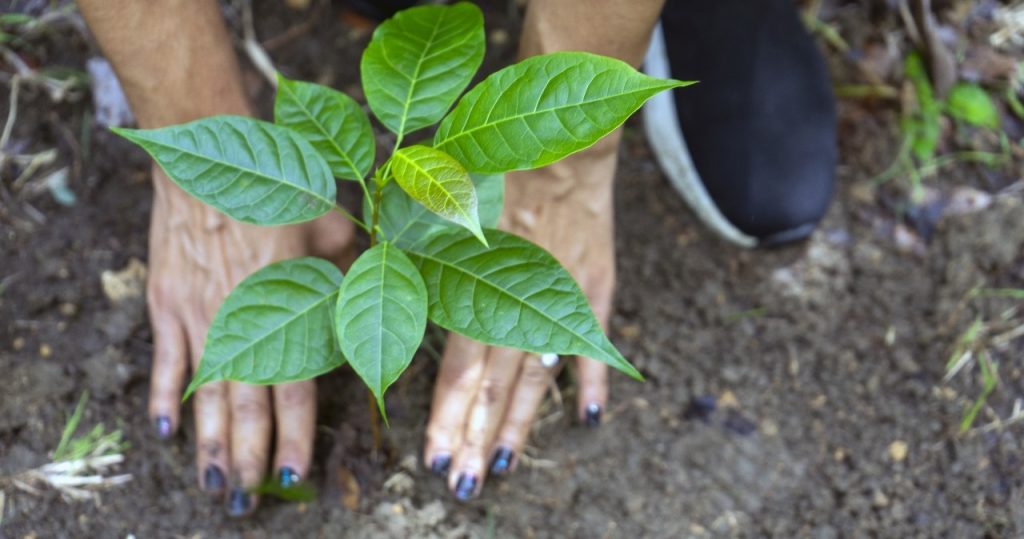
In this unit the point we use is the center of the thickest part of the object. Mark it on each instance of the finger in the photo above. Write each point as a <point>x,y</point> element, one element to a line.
<point>461,371</point>
<point>170,361</point>
<point>210,405</point>
<point>471,460</point>
<point>295,409</point>
<point>250,444</point>
<point>534,382</point>
<point>593,375</point>
<point>593,390</point>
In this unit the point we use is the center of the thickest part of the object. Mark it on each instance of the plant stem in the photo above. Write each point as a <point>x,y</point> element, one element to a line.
<point>340,209</point>
<point>374,421</point>
<point>377,197</point>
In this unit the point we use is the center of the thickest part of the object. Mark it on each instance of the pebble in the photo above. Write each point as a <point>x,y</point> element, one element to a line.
<point>898,451</point>
<point>879,499</point>
<point>45,350</point>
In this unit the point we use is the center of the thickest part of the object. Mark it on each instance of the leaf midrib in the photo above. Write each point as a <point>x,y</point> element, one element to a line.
<point>416,73</point>
<point>237,167</point>
<point>535,112</point>
<point>323,131</point>
<point>447,194</point>
<point>513,296</point>
<point>267,334</point>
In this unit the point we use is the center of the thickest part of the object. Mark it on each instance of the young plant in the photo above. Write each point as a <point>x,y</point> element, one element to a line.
<point>430,208</point>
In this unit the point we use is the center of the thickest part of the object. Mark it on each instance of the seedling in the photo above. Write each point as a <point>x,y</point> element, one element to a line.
<point>429,209</point>
<point>80,466</point>
<point>968,104</point>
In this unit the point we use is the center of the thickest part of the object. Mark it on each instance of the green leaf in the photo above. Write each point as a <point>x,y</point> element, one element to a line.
<point>439,183</point>
<point>542,109</point>
<point>381,316</point>
<point>418,63</point>
<point>513,294</point>
<point>274,327</point>
<point>406,222</point>
<point>971,103</point>
<point>332,122</point>
<point>255,172</point>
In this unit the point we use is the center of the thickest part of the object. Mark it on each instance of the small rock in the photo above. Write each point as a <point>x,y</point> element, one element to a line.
<point>737,423</point>
<point>127,283</point>
<point>898,451</point>
<point>45,350</point>
<point>879,500</point>
<point>701,408</point>
<point>432,514</point>
<point>400,483</point>
<point>68,309</point>
<point>728,400</point>
<point>499,37</point>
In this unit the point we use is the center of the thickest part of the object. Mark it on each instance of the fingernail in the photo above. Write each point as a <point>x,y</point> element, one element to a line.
<point>465,487</point>
<point>440,465</point>
<point>592,415</point>
<point>501,463</point>
<point>162,424</point>
<point>287,477</point>
<point>213,478</point>
<point>239,502</point>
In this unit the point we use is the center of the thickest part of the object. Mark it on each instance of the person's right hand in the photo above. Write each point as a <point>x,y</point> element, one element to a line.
<point>196,256</point>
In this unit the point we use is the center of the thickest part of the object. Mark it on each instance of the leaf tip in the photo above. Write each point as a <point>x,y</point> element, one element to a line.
<point>480,236</point>
<point>382,408</point>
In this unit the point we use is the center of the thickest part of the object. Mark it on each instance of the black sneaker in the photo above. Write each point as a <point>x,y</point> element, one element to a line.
<point>759,158</point>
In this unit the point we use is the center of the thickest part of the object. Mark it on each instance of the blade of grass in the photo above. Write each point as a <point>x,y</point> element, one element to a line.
<point>990,379</point>
<point>70,427</point>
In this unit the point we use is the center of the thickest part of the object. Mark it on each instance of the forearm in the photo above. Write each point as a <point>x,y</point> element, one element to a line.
<point>617,28</point>
<point>173,57</point>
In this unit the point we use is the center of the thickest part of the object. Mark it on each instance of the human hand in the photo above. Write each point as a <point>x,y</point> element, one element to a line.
<point>197,255</point>
<point>485,398</point>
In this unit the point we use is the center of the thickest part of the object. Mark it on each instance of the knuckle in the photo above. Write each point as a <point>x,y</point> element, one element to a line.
<point>212,449</point>
<point>536,374</point>
<point>210,392</point>
<point>492,390</point>
<point>291,397</point>
<point>249,409</point>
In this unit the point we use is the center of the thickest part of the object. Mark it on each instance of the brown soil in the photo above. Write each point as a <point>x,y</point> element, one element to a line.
<point>822,360</point>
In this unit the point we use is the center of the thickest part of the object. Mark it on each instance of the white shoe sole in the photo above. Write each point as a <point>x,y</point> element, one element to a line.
<point>666,139</point>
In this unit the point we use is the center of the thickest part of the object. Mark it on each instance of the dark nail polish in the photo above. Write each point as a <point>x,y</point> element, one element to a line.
<point>465,487</point>
<point>440,465</point>
<point>239,502</point>
<point>162,424</point>
<point>592,415</point>
<point>287,477</point>
<point>501,463</point>
<point>213,478</point>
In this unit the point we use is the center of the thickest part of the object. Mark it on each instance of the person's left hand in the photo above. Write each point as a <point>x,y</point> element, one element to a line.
<point>485,398</point>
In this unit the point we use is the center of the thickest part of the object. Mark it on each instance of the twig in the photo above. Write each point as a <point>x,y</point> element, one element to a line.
<point>12,115</point>
<point>257,55</point>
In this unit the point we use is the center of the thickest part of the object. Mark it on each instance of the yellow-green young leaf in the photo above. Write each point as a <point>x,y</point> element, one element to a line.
<point>513,294</point>
<point>332,122</point>
<point>971,103</point>
<point>439,183</point>
<point>542,109</point>
<point>275,326</point>
<point>255,172</point>
<point>419,61</point>
<point>381,316</point>
<point>406,222</point>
